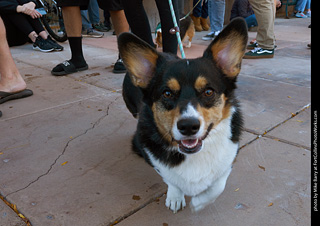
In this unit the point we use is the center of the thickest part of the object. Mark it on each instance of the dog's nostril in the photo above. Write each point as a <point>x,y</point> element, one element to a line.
<point>189,126</point>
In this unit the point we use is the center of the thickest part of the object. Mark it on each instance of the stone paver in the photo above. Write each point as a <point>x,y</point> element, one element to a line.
<point>65,152</point>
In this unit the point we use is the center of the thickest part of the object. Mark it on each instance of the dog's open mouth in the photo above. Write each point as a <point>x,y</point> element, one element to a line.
<point>190,146</point>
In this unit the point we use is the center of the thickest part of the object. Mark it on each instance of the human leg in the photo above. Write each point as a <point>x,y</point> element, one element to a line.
<point>138,20</point>
<point>170,43</point>
<point>10,77</point>
<point>204,16</point>
<point>264,11</point>
<point>93,12</point>
<point>84,19</point>
<point>15,37</point>
<point>216,10</point>
<point>73,26</point>
<point>217,14</point>
<point>120,23</point>
<point>300,6</point>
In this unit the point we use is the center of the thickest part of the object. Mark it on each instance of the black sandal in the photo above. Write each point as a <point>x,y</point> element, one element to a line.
<point>67,67</point>
<point>4,96</point>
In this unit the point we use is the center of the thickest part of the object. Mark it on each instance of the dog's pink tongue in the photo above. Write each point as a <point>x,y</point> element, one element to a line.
<point>190,143</point>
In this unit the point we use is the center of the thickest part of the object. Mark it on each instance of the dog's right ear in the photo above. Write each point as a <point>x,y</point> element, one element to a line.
<point>139,58</point>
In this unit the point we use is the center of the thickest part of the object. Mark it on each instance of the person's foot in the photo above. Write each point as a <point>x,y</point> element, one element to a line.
<point>42,45</point>
<point>119,67</point>
<point>91,33</point>
<point>196,22</point>
<point>13,84</point>
<point>300,15</point>
<point>204,24</point>
<point>69,67</point>
<point>55,45</point>
<point>252,45</point>
<point>308,14</point>
<point>210,36</point>
<point>259,53</point>
<point>101,27</point>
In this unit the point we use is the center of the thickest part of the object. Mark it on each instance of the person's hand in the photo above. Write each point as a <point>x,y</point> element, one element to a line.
<point>278,4</point>
<point>29,9</point>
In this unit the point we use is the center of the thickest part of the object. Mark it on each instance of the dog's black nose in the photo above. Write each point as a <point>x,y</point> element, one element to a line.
<point>188,126</point>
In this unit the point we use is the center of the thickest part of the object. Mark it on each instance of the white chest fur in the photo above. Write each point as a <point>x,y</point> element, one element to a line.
<point>200,171</point>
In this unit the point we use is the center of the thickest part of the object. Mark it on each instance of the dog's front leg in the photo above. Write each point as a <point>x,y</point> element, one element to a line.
<point>189,44</point>
<point>200,201</point>
<point>175,198</point>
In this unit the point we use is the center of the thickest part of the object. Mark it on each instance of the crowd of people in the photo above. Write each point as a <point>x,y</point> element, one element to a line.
<point>20,24</point>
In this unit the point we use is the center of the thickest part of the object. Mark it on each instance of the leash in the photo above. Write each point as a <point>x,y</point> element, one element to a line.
<point>188,14</point>
<point>176,30</point>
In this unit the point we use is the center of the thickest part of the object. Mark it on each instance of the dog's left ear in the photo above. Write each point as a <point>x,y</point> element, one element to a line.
<point>139,58</point>
<point>228,48</point>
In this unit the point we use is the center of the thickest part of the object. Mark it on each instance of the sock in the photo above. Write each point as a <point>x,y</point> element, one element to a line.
<point>76,51</point>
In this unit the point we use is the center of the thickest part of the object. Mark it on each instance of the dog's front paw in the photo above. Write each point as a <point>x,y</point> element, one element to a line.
<point>188,45</point>
<point>175,199</point>
<point>175,203</point>
<point>198,204</point>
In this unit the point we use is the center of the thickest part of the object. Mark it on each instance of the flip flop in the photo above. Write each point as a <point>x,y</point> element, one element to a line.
<point>67,67</point>
<point>4,96</point>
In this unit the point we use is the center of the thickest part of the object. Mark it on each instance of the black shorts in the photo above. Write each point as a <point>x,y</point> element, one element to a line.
<point>82,3</point>
<point>110,5</point>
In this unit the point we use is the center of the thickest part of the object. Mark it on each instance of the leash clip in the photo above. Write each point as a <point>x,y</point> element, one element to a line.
<point>174,30</point>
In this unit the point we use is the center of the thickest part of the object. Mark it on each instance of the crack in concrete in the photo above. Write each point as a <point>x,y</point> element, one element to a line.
<point>65,149</point>
<point>266,133</point>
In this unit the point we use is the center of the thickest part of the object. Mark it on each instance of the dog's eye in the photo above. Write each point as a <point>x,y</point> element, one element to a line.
<point>167,94</point>
<point>208,92</point>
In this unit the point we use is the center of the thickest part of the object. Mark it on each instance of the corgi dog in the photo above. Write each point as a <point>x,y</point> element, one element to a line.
<point>189,120</point>
<point>187,32</point>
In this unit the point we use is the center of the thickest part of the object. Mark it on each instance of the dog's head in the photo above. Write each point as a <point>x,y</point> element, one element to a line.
<point>188,98</point>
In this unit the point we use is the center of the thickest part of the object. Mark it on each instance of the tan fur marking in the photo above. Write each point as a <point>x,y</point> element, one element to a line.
<point>141,64</point>
<point>216,113</point>
<point>228,54</point>
<point>164,120</point>
<point>173,84</point>
<point>200,83</point>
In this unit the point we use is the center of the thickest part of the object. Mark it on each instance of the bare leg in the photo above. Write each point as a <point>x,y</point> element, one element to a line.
<point>73,24</point>
<point>72,20</point>
<point>119,22</point>
<point>10,77</point>
<point>121,25</point>
<point>33,36</point>
<point>43,34</point>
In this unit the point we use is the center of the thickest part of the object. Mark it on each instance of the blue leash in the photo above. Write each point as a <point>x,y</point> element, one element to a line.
<point>176,30</point>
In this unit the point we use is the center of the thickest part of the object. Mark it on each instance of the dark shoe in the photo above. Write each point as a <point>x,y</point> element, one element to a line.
<point>91,33</point>
<point>252,45</point>
<point>101,27</point>
<point>67,67</point>
<point>55,45</point>
<point>258,53</point>
<point>119,67</point>
<point>42,45</point>
<point>4,96</point>
<point>209,36</point>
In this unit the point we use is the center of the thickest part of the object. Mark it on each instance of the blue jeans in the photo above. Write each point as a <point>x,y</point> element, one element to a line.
<point>216,10</point>
<point>301,4</point>
<point>93,12</point>
<point>200,10</point>
<point>251,21</point>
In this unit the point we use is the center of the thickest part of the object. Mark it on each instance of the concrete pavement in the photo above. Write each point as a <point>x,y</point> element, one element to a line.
<point>65,155</point>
